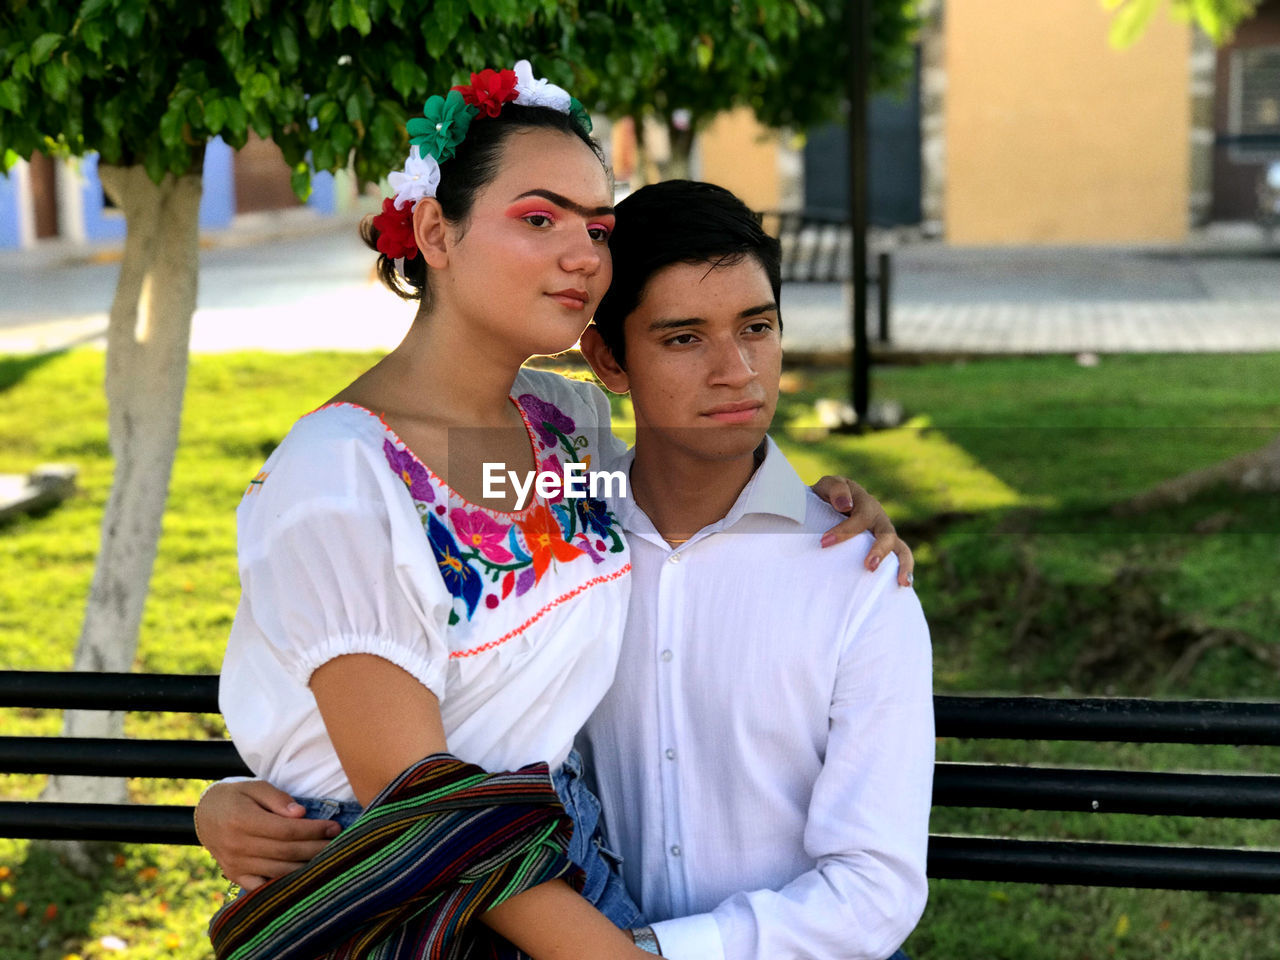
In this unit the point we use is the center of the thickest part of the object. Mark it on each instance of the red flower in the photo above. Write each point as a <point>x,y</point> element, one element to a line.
<point>545,540</point>
<point>395,230</point>
<point>489,90</point>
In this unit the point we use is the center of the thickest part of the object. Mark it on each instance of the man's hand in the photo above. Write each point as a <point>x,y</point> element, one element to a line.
<point>257,833</point>
<point>865,513</point>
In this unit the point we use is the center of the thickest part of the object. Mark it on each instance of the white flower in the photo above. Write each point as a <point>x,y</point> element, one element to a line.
<point>420,178</point>
<point>540,92</point>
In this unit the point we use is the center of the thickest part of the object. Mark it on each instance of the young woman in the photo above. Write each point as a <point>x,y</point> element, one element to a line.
<point>394,609</point>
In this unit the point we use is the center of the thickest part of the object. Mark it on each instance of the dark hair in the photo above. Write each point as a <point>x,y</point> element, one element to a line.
<point>472,167</point>
<point>677,221</point>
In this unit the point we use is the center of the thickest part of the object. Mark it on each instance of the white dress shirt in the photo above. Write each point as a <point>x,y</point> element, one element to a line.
<point>765,754</point>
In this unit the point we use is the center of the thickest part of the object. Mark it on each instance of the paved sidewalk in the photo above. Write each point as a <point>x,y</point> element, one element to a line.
<point>310,285</point>
<point>1058,300</point>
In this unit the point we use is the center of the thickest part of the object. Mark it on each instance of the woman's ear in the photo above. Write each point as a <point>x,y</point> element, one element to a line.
<point>598,354</point>
<point>430,232</point>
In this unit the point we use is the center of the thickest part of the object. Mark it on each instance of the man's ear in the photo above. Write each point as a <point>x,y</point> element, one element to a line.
<point>430,232</point>
<point>602,361</point>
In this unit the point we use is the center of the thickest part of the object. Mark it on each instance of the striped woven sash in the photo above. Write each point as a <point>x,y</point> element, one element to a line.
<point>441,844</point>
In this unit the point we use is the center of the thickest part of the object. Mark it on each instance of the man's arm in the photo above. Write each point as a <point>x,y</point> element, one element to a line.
<point>868,818</point>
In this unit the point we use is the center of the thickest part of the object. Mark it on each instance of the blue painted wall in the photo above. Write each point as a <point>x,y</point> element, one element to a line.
<point>323,199</point>
<point>100,223</point>
<point>103,224</point>
<point>9,236</point>
<point>218,203</point>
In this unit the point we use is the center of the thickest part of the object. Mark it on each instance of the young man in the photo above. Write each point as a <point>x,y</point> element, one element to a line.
<point>765,755</point>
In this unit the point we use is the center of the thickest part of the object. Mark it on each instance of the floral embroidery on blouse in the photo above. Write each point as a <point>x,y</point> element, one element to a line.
<point>487,556</point>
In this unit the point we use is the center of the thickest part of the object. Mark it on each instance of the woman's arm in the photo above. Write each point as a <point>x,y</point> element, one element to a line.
<point>381,720</point>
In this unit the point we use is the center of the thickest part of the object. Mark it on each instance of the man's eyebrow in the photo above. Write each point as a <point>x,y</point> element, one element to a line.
<point>672,323</point>
<point>568,204</point>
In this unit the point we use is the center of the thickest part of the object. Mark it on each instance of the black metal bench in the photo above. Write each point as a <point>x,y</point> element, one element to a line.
<point>955,784</point>
<point>816,249</point>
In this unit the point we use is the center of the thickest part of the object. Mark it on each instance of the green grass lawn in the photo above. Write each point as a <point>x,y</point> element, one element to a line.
<point>1004,476</point>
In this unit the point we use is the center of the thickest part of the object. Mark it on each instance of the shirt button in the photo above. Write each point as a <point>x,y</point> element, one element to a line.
<point>666,656</point>
<point>671,754</point>
<point>674,558</point>
<point>675,850</point>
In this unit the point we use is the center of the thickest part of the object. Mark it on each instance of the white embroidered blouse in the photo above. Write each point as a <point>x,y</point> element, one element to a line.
<point>349,544</point>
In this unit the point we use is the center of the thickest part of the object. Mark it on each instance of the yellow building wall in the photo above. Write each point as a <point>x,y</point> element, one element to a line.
<point>1053,136</point>
<point>741,155</point>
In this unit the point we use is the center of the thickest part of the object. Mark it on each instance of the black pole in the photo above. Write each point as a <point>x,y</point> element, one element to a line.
<point>859,57</point>
<point>884,284</point>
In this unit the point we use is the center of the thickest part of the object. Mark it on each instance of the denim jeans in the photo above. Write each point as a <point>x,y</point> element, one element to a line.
<point>588,849</point>
<point>604,887</point>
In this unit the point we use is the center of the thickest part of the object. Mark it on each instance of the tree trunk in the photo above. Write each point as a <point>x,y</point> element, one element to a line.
<point>147,341</point>
<point>677,164</point>
<point>663,150</point>
<point>1251,472</point>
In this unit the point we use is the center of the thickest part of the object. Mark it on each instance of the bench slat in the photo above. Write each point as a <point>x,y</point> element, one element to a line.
<point>1121,720</point>
<point>950,858</point>
<point>1011,787</point>
<point>1004,718</point>
<point>54,690</point>
<point>98,757</point>
<point>37,820</point>
<point>1152,867</point>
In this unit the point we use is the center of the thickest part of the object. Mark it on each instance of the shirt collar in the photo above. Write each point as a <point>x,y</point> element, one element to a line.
<point>774,488</point>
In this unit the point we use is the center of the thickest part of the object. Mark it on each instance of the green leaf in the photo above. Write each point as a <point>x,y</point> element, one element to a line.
<point>329,113</point>
<point>258,87</point>
<point>406,77</point>
<point>171,125</point>
<point>154,164</point>
<point>343,138</point>
<point>702,53</point>
<point>93,34</point>
<point>10,97</point>
<point>91,8</point>
<point>237,116</point>
<point>54,77</point>
<point>22,66</point>
<point>1130,21</point>
<point>111,117</point>
<point>215,115</point>
<point>323,156</point>
<point>355,112</point>
<point>44,46</point>
<point>10,158</point>
<point>130,18</point>
<point>315,18</point>
<point>285,46</point>
<point>359,14</point>
<point>338,15</point>
<point>447,19</point>
<point>237,11</point>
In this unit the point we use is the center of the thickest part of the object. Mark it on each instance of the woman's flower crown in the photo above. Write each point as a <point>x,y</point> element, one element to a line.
<point>435,136</point>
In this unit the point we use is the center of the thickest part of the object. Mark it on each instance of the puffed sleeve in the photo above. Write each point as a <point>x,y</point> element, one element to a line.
<point>333,561</point>
<point>590,406</point>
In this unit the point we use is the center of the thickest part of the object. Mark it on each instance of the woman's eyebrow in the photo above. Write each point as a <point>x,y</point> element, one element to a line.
<point>568,204</point>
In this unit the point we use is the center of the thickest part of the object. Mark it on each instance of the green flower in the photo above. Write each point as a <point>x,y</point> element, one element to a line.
<point>579,113</point>
<point>442,126</point>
